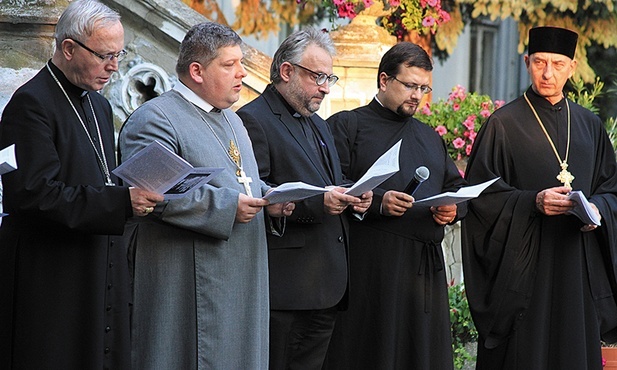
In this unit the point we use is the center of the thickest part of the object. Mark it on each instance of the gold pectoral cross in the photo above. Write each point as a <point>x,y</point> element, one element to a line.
<point>565,176</point>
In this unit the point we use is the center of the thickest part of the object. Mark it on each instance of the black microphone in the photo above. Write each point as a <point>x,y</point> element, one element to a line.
<point>422,173</point>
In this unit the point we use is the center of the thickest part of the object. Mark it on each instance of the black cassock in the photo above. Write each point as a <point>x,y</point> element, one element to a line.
<point>64,284</point>
<point>540,290</point>
<point>398,304</point>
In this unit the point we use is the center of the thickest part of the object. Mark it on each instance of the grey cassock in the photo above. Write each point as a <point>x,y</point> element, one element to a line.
<point>200,279</point>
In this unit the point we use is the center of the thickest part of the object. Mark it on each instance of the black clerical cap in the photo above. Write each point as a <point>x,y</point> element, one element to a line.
<point>552,40</point>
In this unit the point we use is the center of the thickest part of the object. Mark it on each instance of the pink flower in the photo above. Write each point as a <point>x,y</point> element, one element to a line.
<point>499,103</point>
<point>347,10</point>
<point>485,105</point>
<point>470,122</point>
<point>338,3</point>
<point>458,143</point>
<point>432,3</point>
<point>472,136</point>
<point>441,130</point>
<point>485,113</point>
<point>426,110</point>
<point>428,21</point>
<point>456,107</point>
<point>468,149</point>
<point>445,16</point>
<point>394,3</point>
<point>367,3</point>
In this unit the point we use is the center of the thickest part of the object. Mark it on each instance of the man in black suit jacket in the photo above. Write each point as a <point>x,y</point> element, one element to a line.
<point>308,264</point>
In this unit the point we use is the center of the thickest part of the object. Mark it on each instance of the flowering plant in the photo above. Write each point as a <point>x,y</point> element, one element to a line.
<point>399,16</point>
<point>458,119</point>
<point>462,326</point>
<point>424,16</point>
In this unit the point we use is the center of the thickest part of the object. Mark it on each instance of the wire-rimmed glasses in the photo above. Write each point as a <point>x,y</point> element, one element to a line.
<point>107,57</point>
<point>320,78</point>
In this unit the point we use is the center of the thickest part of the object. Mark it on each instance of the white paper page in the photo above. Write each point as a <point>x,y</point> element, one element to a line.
<point>463,194</point>
<point>583,209</point>
<point>154,168</point>
<point>8,162</point>
<point>293,191</point>
<point>384,167</point>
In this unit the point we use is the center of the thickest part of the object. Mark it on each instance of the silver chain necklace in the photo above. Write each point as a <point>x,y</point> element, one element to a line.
<point>233,153</point>
<point>101,157</point>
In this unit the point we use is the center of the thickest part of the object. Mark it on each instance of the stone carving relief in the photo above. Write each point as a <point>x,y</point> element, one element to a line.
<point>137,83</point>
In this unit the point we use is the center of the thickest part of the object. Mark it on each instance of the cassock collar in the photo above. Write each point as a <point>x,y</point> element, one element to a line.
<point>384,112</point>
<point>540,103</point>
<point>193,98</point>
<point>71,89</point>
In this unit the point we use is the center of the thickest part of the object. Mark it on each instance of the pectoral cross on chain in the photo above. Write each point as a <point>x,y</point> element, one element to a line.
<point>565,176</point>
<point>246,181</point>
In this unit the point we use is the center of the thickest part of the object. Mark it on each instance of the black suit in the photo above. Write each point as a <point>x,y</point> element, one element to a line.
<point>308,264</point>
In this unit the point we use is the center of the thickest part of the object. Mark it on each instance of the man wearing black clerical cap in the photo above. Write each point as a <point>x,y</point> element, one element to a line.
<point>540,278</point>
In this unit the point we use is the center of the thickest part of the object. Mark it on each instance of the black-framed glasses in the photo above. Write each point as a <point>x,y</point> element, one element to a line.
<point>320,78</point>
<point>424,89</point>
<point>107,57</point>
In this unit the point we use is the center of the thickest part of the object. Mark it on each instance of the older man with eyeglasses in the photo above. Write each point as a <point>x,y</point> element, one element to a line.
<point>398,302</point>
<point>65,285</point>
<point>308,264</point>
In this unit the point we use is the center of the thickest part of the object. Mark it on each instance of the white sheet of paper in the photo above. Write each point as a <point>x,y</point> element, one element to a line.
<point>463,194</point>
<point>8,162</point>
<point>158,169</point>
<point>583,209</point>
<point>293,191</point>
<point>384,167</point>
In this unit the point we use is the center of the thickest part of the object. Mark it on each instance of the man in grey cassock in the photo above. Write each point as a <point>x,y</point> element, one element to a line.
<point>200,261</point>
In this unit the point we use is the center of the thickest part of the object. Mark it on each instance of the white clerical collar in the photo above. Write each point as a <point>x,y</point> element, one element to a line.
<point>377,99</point>
<point>192,97</point>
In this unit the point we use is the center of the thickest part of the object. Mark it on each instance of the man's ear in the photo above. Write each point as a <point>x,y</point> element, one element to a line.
<point>68,48</point>
<point>196,72</point>
<point>383,78</point>
<point>573,65</point>
<point>285,71</point>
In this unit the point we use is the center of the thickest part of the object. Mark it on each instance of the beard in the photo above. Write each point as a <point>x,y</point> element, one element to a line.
<point>302,101</point>
<point>407,110</point>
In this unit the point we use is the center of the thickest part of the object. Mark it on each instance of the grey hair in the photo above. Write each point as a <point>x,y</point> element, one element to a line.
<point>202,43</point>
<point>294,46</point>
<point>81,18</point>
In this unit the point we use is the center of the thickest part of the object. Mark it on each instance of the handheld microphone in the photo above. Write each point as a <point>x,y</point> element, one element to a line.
<point>422,173</point>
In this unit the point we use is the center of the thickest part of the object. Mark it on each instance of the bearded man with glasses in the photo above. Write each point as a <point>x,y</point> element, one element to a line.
<point>398,314</point>
<point>65,288</point>
<point>308,264</point>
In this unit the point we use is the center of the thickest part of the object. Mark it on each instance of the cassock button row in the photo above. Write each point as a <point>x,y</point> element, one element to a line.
<point>107,329</point>
<point>340,239</point>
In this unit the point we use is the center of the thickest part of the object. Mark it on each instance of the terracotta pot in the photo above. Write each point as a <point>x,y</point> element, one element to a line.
<point>610,356</point>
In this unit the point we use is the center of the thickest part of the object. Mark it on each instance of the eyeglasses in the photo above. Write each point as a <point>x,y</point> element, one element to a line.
<point>424,89</point>
<point>320,78</point>
<point>107,57</point>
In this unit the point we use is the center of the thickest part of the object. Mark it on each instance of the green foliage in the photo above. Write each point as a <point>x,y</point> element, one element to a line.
<point>585,97</point>
<point>463,329</point>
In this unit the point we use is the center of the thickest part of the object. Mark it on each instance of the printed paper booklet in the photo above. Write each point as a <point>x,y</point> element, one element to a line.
<point>158,169</point>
